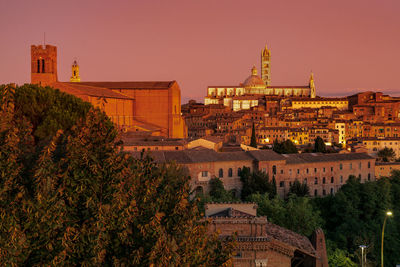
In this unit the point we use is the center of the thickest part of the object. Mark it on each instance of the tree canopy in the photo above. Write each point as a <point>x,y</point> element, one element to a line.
<point>386,154</point>
<point>82,201</point>
<point>285,147</point>
<point>319,145</point>
<point>256,182</point>
<point>299,189</point>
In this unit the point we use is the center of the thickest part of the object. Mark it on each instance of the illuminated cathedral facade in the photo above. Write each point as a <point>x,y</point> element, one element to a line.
<point>247,94</point>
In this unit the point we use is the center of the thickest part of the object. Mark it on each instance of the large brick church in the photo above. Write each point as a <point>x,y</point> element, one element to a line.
<point>152,107</point>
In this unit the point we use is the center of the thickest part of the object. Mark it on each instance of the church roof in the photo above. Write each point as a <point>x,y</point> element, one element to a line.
<point>254,80</point>
<point>132,85</point>
<point>289,237</point>
<point>82,90</point>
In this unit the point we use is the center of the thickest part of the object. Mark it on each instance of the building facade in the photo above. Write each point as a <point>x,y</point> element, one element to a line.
<point>247,94</point>
<point>261,243</point>
<point>323,173</point>
<point>154,107</point>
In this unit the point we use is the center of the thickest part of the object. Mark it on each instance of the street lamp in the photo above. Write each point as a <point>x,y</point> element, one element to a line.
<point>362,255</point>
<point>388,213</point>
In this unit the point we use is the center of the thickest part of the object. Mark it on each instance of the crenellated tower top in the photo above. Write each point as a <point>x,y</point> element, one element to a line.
<point>43,64</point>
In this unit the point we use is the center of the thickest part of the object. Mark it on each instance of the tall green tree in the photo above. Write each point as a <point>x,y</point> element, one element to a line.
<point>296,213</point>
<point>285,147</point>
<point>319,145</point>
<point>386,154</point>
<point>253,140</point>
<point>218,193</point>
<point>256,182</point>
<point>85,202</point>
<point>299,189</point>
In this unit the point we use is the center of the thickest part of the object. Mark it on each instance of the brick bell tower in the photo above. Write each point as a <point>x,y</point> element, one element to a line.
<point>43,64</point>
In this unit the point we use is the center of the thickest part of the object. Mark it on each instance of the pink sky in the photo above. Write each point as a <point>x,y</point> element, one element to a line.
<point>350,45</point>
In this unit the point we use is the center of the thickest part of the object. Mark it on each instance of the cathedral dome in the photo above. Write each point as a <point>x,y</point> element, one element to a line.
<point>254,80</point>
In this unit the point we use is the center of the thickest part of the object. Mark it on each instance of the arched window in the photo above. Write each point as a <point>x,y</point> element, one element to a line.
<point>341,166</point>
<point>324,192</point>
<point>221,173</point>
<point>239,171</point>
<point>369,177</point>
<point>274,169</point>
<point>332,180</point>
<point>230,172</point>
<point>305,181</point>
<point>316,180</point>
<point>315,192</point>
<point>331,191</point>
<point>323,180</point>
<point>369,164</point>
<point>38,66</point>
<point>43,70</point>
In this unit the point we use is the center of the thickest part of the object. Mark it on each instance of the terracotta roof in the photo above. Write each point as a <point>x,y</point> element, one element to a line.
<point>132,85</point>
<point>265,155</point>
<point>287,86</point>
<point>195,156</point>
<point>82,90</point>
<point>319,157</point>
<point>386,163</point>
<point>232,213</point>
<point>289,237</point>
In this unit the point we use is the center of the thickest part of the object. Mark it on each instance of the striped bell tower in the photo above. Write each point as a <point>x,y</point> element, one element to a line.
<point>266,65</point>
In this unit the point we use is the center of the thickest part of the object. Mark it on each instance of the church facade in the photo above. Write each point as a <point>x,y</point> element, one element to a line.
<point>247,94</point>
<point>152,107</point>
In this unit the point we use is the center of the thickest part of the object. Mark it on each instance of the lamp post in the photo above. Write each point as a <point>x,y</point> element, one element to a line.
<point>388,213</point>
<point>362,255</point>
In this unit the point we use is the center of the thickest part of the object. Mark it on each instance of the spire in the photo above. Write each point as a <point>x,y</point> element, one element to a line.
<point>265,52</point>
<point>254,70</point>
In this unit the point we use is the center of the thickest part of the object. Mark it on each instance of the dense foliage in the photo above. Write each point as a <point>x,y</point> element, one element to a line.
<point>299,189</point>
<point>386,154</point>
<point>285,147</point>
<point>256,182</point>
<point>319,145</point>
<point>296,213</point>
<point>81,201</point>
<point>355,214</point>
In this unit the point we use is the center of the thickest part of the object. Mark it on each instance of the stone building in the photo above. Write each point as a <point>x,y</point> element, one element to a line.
<point>323,173</point>
<point>385,169</point>
<point>153,107</point>
<point>261,243</point>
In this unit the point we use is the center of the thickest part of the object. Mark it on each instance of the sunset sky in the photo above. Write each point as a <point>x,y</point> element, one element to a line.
<point>350,46</point>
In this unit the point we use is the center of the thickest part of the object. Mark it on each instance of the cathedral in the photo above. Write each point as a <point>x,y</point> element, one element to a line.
<point>246,94</point>
<point>149,108</point>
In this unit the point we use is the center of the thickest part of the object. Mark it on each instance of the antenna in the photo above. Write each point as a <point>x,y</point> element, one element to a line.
<point>44,39</point>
